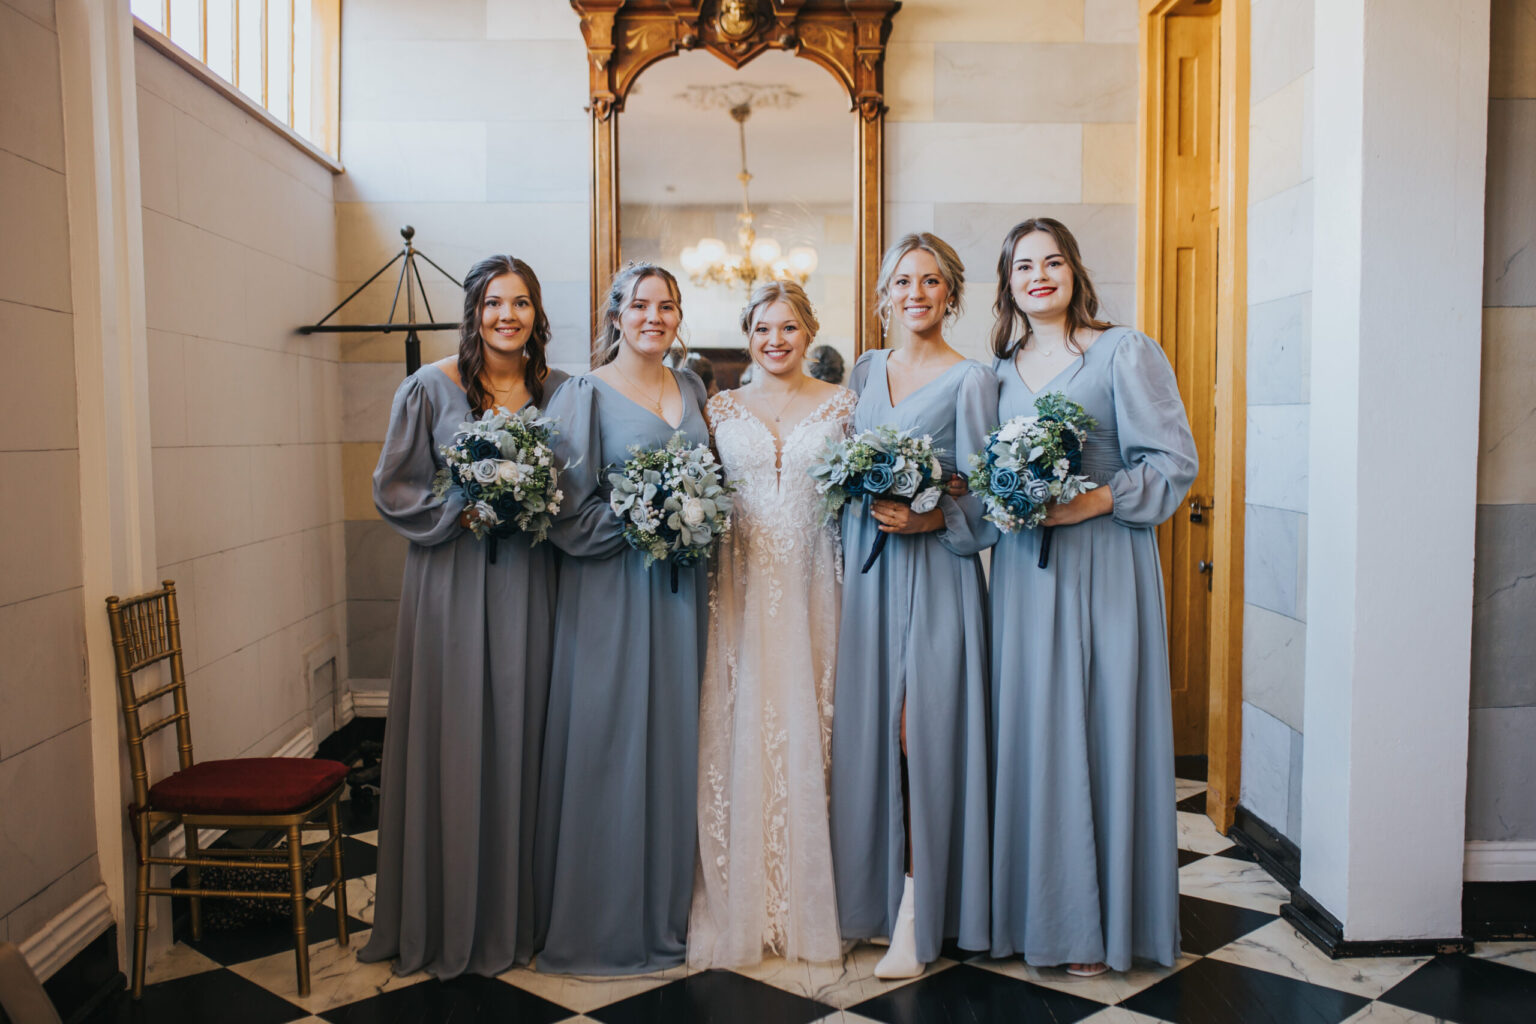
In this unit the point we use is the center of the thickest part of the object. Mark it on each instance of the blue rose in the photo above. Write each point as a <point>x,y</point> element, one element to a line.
<point>1038,491</point>
<point>483,448</point>
<point>1005,482</point>
<point>878,478</point>
<point>883,459</point>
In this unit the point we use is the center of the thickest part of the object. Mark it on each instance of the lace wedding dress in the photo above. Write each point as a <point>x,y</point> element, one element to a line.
<point>765,714</point>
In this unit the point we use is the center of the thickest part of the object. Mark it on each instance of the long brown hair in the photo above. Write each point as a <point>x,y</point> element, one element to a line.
<point>605,347</point>
<point>1082,311</point>
<point>472,349</point>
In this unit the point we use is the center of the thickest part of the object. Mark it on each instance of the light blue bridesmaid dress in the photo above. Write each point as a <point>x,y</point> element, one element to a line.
<point>914,628</point>
<point>1084,858</point>
<point>614,856</point>
<point>466,712</point>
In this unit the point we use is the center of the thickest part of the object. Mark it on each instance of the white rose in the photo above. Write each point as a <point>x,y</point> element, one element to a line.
<point>693,512</point>
<point>509,471</point>
<point>927,501</point>
<point>485,471</point>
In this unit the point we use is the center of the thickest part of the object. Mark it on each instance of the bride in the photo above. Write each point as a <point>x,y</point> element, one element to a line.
<point>765,715</point>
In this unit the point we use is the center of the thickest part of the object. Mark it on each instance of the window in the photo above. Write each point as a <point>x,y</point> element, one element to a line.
<point>282,54</point>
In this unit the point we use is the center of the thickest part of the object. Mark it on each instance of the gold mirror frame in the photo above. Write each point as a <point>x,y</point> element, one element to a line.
<point>847,37</point>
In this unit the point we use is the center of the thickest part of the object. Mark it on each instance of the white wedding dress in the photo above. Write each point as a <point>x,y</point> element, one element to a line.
<point>765,712</point>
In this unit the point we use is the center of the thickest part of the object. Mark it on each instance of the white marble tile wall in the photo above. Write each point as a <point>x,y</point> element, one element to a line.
<point>44,711</point>
<point>240,249</point>
<point>1278,381</point>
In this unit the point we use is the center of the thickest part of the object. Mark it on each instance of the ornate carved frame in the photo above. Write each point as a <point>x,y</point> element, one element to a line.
<point>847,37</point>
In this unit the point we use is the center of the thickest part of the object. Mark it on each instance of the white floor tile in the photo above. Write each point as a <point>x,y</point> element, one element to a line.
<point>179,961</point>
<point>1237,882</point>
<point>1110,987</point>
<point>1515,954</point>
<point>838,984</point>
<point>335,975</point>
<point>584,994</point>
<point>1198,834</point>
<point>1386,1013</point>
<point>1280,949</point>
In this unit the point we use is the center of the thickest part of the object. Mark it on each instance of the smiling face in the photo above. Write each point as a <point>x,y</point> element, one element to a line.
<point>778,340</point>
<point>507,315</point>
<point>919,296</point>
<point>648,323</point>
<point>1041,279</point>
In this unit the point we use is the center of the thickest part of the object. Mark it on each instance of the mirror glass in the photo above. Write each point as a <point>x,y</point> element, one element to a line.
<point>680,191</point>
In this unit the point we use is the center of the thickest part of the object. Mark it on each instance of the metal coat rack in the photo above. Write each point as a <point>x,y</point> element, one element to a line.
<point>410,282</point>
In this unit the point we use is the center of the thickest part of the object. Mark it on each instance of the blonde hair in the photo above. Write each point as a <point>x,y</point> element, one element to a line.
<point>605,345</point>
<point>951,271</point>
<point>787,292</point>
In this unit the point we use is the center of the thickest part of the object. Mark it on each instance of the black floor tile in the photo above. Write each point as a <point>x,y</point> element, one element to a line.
<point>1238,853</point>
<point>468,999</point>
<point>1189,857</point>
<point>1194,803</point>
<point>966,993</point>
<point>221,996</point>
<point>358,860</point>
<point>1190,766</point>
<point>1214,992</point>
<point>1205,925</point>
<point>358,815</point>
<point>261,939</point>
<point>1467,990</point>
<point>713,996</point>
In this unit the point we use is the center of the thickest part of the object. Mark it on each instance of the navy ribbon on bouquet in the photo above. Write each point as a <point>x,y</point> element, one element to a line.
<point>1045,545</point>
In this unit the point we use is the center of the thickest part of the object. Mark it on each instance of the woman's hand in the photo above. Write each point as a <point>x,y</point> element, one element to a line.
<point>1088,505</point>
<point>467,518</point>
<point>896,517</point>
<point>956,486</point>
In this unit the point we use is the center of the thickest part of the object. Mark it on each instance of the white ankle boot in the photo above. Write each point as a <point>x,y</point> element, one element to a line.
<point>900,961</point>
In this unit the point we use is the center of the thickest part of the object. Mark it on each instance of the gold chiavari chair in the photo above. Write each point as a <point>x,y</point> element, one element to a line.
<point>283,793</point>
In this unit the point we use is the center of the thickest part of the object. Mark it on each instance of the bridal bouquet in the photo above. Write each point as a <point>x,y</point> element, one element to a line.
<point>1031,461</point>
<point>879,463</point>
<point>674,502</point>
<point>503,466</point>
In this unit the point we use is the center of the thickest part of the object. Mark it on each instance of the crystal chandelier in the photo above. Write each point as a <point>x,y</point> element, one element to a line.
<point>760,259</point>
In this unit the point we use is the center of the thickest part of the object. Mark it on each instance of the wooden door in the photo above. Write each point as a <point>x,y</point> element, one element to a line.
<point>1187,329</point>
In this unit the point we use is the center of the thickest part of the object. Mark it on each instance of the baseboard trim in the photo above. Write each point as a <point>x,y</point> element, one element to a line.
<point>1500,861</point>
<point>1493,911</point>
<point>1325,932</point>
<point>370,697</point>
<point>301,745</point>
<point>68,932</point>
<point>87,980</point>
<point>346,710</point>
<point>1274,852</point>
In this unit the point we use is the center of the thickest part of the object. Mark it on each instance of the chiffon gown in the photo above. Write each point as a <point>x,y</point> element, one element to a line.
<point>616,839</point>
<point>466,702</point>
<point>765,715</point>
<point>1085,849</point>
<point>915,628</point>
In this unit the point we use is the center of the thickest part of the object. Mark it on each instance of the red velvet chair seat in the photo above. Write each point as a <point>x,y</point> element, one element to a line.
<point>247,785</point>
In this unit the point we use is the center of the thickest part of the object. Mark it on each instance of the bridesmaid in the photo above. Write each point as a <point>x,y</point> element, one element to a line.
<point>909,739</point>
<point>1085,869</point>
<point>472,656</point>
<point>615,849</point>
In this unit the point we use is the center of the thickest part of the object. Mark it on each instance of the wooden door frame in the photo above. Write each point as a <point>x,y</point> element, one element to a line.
<point>1225,723</point>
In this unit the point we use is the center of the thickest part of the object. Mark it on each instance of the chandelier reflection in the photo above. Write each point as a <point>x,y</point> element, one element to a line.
<point>709,261</point>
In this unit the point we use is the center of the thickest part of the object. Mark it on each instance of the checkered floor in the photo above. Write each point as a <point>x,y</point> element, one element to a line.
<point>1241,963</point>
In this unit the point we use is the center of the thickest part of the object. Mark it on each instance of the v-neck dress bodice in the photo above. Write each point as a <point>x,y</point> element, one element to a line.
<point>472,645</point>
<point>616,836</point>
<point>1081,715</point>
<point>914,634</point>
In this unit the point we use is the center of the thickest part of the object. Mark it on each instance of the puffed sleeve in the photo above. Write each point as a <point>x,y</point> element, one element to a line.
<point>966,531</point>
<point>860,374</point>
<point>402,481</point>
<point>586,527</point>
<point>1155,442</point>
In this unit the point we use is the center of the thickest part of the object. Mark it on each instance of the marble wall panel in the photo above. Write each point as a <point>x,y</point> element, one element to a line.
<point>42,690</point>
<point>1276,473</point>
<point>409,161</point>
<point>48,782</point>
<point>371,637</point>
<point>1275,131</point>
<point>1274,669</point>
<point>203,500</point>
<point>38,349</point>
<point>411,19</point>
<point>531,19</point>
<point>1271,549</point>
<point>34,268</point>
<point>1106,234</point>
<point>1292,827</point>
<point>1281,48</point>
<point>1034,82</point>
<point>463,80</point>
<point>1110,21</point>
<point>1265,789</point>
<point>1512,61</point>
<point>167,388</point>
<point>909,82</point>
<point>1109,163</point>
<point>538,161</point>
<point>224,698</point>
<point>1280,351</point>
<point>375,560</point>
<point>1003,163</point>
<point>1506,466</point>
<point>39,547</point>
<point>36,912</point>
<point>31,100</point>
<point>367,392</point>
<point>999,21</point>
<point>357,464</point>
<point>1504,607</point>
<point>1509,244</point>
<point>1500,766</point>
<point>1280,245</point>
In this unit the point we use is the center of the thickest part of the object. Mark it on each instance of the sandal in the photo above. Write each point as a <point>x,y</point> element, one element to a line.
<point>1087,970</point>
